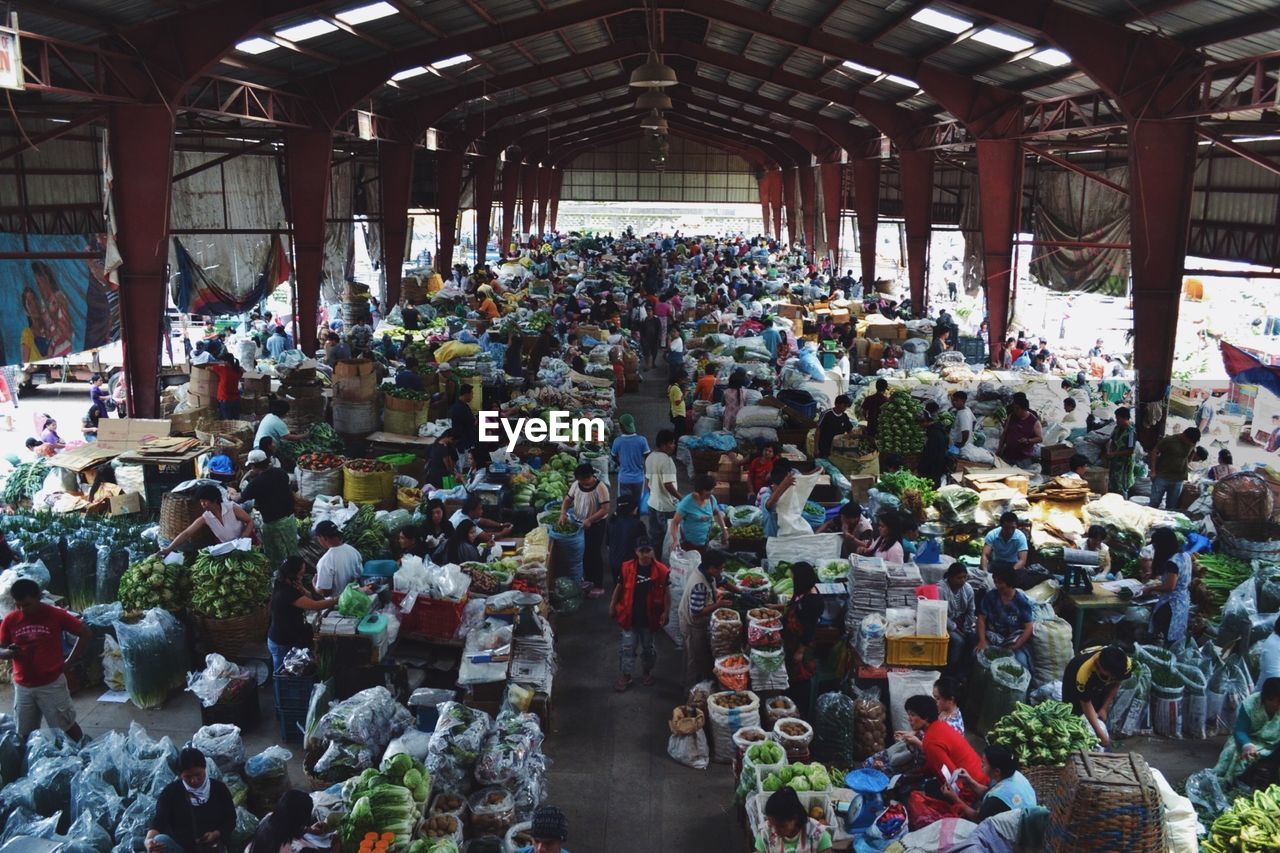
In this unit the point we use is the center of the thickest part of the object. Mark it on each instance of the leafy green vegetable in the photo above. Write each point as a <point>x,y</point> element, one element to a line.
<point>233,584</point>
<point>152,583</point>
<point>24,481</point>
<point>1045,734</point>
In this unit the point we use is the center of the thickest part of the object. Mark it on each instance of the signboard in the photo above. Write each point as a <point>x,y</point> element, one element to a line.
<point>55,306</point>
<point>11,58</point>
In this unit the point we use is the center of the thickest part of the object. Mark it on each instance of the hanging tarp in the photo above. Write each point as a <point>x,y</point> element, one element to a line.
<point>338,258</point>
<point>197,293</point>
<point>53,307</point>
<point>1073,208</point>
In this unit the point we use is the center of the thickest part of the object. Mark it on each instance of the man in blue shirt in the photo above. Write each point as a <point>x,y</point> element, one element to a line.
<point>462,420</point>
<point>629,451</point>
<point>277,343</point>
<point>1005,545</point>
<point>408,376</point>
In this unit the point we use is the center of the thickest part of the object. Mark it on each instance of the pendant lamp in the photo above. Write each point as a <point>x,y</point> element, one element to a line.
<point>653,74</point>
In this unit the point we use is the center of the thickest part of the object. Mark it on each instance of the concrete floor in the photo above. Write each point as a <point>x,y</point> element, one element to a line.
<point>610,770</point>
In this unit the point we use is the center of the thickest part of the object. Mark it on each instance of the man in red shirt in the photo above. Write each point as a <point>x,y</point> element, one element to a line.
<point>228,371</point>
<point>31,637</point>
<point>640,605</point>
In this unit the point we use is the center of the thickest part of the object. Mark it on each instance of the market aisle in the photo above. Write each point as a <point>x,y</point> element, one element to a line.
<point>610,770</point>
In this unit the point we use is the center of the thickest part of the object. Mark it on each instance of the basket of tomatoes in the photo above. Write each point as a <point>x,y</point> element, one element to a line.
<point>319,474</point>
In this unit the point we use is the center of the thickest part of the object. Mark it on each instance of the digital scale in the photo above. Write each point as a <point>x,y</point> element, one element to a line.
<point>1078,568</point>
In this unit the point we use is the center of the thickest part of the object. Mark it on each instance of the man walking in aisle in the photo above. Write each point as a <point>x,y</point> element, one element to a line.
<point>640,604</point>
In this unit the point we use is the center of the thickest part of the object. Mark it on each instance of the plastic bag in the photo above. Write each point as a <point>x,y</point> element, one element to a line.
<point>112,563</point>
<point>222,744</point>
<point>1002,683</point>
<point>154,652</point>
<point>82,569</point>
<point>492,811</point>
<point>834,732</point>
<point>134,823</point>
<point>246,827</point>
<point>93,795</point>
<point>902,686</point>
<point>412,743</point>
<point>1229,685</point>
<point>24,822</point>
<point>86,835</point>
<point>455,745</point>
<point>267,775</point>
<point>690,750</point>
<point>1193,700</point>
<point>354,603</point>
<point>515,737</point>
<point>1206,794</point>
<point>112,664</point>
<point>209,683</point>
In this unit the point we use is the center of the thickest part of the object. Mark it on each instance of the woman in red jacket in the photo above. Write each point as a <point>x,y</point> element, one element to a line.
<point>945,752</point>
<point>641,602</point>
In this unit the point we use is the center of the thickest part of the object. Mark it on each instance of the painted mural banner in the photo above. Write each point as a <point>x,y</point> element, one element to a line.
<point>52,307</point>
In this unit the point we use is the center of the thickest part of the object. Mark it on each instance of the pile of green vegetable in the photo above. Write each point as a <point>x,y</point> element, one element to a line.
<point>799,777</point>
<point>914,493</point>
<point>765,752</point>
<point>365,534</point>
<point>24,481</point>
<point>393,390</point>
<point>746,531</point>
<point>151,583</point>
<point>1251,825</point>
<point>1044,734</point>
<point>899,430</point>
<point>550,482</point>
<point>1222,574</point>
<point>321,438</point>
<point>390,799</point>
<point>834,571</point>
<point>230,585</point>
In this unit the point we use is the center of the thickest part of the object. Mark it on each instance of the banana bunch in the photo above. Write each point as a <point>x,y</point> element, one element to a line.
<point>1251,825</point>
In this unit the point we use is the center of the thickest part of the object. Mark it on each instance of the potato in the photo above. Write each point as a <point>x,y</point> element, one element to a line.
<point>817,813</point>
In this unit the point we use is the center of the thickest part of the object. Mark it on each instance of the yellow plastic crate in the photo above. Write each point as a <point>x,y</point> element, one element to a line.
<point>916,651</point>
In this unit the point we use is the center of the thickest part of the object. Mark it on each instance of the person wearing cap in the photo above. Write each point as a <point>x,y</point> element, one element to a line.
<point>549,829</point>
<point>340,564</point>
<point>271,494</point>
<point>629,451</point>
<point>1090,683</point>
<point>640,604</point>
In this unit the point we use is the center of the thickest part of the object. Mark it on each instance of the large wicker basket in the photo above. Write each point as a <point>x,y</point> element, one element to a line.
<point>1043,780</point>
<point>234,437</point>
<point>1105,802</point>
<point>1250,540</point>
<point>229,637</point>
<point>177,511</point>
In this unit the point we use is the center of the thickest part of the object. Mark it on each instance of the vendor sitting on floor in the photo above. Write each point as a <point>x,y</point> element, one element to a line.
<point>905,755</point>
<point>1009,789</point>
<point>1005,546</point>
<point>941,745</point>
<point>788,827</point>
<point>193,813</point>
<point>759,469</point>
<point>1090,683</point>
<point>225,519</point>
<point>1250,758</point>
<point>1005,617</point>
<point>855,528</point>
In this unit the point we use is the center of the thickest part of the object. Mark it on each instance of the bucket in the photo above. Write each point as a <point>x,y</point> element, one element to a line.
<point>355,418</point>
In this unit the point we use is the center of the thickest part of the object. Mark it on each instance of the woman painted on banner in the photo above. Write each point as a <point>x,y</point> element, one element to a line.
<point>56,309</point>
<point>35,340</point>
<point>102,302</point>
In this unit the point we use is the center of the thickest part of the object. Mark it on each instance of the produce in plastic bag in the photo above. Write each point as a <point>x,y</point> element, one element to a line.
<point>93,795</point>
<point>154,650</point>
<point>726,632</point>
<point>23,822</point>
<point>112,564</point>
<point>870,716</point>
<point>732,672</point>
<point>514,738</point>
<point>267,775</point>
<point>210,683</point>
<point>354,603</point>
<point>358,730</point>
<point>834,717</point>
<point>222,744</point>
<point>112,664</point>
<point>455,745</point>
<point>1002,683</point>
<point>132,831</point>
<point>246,827</point>
<point>1206,794</point>
<point>82,569</point>
<point>85,835</point>
<point>1194,700</point>
<point>492,811</point>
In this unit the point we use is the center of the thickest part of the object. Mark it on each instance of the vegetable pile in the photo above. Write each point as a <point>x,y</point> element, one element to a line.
<point>833,571</point>
<point>549,483</point>
<point>1251,825</point>
<point>365,534</point>
<point>1045,734</point>
<point>899,429</point>
<point>388,800</point>
<point>24,481</point>
<point>320,461</point>
<point>234,584</point>
<point>746,531</point>
<point>151,583</point>
<point>321,438</point>
<point>1222,574</point>
<point>799,777</point>
<point>915,493</point>
<point>393,390</point>
<point>767,752</point>
<point>367,466</point>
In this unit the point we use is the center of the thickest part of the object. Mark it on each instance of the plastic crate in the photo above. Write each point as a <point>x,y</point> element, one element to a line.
<point>293,696</point>
<point>430,617</point>
<point>916,651</point>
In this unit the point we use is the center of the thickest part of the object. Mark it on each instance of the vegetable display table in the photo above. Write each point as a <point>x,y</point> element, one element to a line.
<point>1099,599</point>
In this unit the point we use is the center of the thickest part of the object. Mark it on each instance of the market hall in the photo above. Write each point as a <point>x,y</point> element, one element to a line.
<point>923,368</point>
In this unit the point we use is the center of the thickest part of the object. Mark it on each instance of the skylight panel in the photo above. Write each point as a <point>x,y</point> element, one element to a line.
<point>941,21</point>
<point>365,14</point>
<point>306,30</point>
<point>1003,40</point>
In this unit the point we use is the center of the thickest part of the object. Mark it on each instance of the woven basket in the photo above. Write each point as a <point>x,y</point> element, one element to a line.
<point>228,637</point>
<point>1043,779</point>
<point>685,720</point>
<point>1243,497</point>
<point>1250,540</point>
<point>232,436</point>
<point>399,422</point>
<point>375,487</point>
<point>177,511</point>
<point>1105,802</point>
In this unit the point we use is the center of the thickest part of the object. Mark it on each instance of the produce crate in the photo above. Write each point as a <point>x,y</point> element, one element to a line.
<point>430,617</point>
<point>916,651</point>
<point>293,696</point>
<point>244,712</point>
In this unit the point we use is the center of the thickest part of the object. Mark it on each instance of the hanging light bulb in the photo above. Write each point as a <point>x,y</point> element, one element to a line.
<point>653,99</point>
<point>654,73</point>
<point>654,121</point>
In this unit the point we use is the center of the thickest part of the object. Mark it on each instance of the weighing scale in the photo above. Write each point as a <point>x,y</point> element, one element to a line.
<point>526,623</point>
<point>1078,566</point>
<point>869,785</point>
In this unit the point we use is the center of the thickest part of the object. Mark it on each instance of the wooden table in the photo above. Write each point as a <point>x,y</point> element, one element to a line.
<point>1099,599</point>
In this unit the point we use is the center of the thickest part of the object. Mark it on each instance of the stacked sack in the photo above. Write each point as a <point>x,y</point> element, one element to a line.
<point>768,660</point>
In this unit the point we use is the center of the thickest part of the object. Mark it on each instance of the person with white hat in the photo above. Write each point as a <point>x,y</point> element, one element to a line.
<point>271,494</point>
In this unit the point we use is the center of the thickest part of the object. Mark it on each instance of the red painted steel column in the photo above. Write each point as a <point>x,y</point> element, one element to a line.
<point>141,139</point>
<point>775,201</point>
<point>557,186</point>
<point>448,190</point>
<point>395,172</point>
<point>832,204</point>
<point>1161,166</point>
<point>762,185</point>
<point>510,189</point>
<point>809,210</point>
<point>544,198</point>
<point>485,172</point>
<point>1000,196</point>
<point>528,192</point>
<point>917,210</point>
<point>308,153</point>
<point>866,206</point>
<point>789,180</point>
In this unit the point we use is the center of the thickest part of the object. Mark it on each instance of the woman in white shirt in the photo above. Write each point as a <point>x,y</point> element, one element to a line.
<point>226,520</point>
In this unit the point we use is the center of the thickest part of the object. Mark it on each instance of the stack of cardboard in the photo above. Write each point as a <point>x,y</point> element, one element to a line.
<point>305,395</point>
<point>255,393</point>
<point>731,480</point>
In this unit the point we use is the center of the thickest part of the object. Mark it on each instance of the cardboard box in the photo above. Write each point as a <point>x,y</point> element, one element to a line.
<point>859,487</point>
<point>126,504</point>
<point>791,312</point>
<point>128,433</point>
